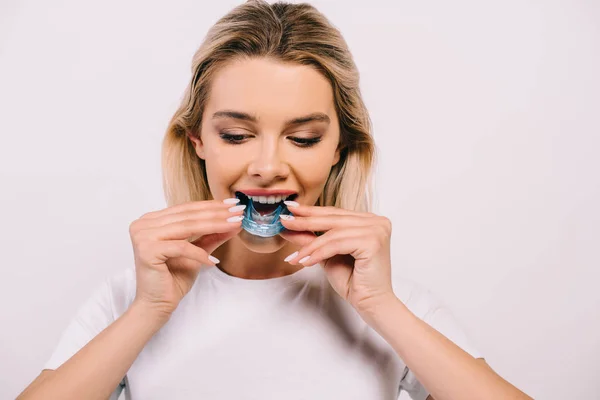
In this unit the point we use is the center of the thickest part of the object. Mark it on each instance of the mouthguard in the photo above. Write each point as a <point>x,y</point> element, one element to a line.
<point>263,225</point>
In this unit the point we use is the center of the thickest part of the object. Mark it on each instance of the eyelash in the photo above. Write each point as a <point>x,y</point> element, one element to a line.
<point>238,139</point>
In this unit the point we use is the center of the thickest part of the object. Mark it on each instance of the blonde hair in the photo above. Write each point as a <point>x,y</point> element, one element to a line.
<point>295,33</point>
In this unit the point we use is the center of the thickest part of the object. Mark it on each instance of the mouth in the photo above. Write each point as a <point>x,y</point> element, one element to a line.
<point>265,205</point>
<point>261,216</point>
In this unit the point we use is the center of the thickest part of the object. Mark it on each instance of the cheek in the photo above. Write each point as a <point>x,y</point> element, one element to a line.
<point>313,180</point>
<point>223,167</point>
<point>312,171</point>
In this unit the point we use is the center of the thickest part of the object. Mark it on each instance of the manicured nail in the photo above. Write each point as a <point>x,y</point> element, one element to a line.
<point>215,260</point>
<point>291,203</point>
<point>236,218</point>
<point>291,257</point>
<point>231,201</point>
<point>286,217</point>
<point>305,259</point>
<point>237,208</point>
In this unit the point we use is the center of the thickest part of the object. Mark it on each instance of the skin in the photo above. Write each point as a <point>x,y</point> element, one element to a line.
<point>354,249</point>
<point>268,156</point>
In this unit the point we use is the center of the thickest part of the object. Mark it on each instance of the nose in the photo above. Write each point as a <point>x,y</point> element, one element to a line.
<point>267,164</point>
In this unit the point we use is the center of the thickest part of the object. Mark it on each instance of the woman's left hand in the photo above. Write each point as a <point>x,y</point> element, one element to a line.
<point>354,251</point>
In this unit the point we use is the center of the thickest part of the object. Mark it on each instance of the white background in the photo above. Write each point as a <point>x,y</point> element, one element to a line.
<point>487,119</point>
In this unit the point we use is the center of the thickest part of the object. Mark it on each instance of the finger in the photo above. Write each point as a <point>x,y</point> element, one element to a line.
<point>305,210</point>
<point>323,223</point>
<point>216,212</point>
<point>177,248</point>
<point>187,228</point>
<point>305,254</point>
<point>212,241</point>
<point>309,246</point>
<point>300,238</point>
<point>340,246</point>
<point>190,206</point>
<point>182,264</point>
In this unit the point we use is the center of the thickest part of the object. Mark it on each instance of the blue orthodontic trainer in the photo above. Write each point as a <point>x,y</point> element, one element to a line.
<point>267,225</point>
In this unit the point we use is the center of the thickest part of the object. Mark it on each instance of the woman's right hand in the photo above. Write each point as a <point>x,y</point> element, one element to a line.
<point>167,259</point>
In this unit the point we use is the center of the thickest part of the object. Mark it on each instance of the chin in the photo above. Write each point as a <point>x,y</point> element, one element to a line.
<point>259,244</point>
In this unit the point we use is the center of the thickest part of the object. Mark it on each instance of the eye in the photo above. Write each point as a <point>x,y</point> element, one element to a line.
<point>233,138</point>
<point>305,142</point>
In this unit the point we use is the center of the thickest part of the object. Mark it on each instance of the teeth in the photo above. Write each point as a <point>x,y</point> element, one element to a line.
<point>262,219</point>
<point>267,199</point>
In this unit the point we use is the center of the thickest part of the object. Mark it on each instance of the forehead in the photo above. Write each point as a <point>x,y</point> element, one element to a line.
<point>270,89</point>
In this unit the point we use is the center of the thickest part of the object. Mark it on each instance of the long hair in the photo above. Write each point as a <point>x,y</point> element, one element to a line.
<point>291,33</point>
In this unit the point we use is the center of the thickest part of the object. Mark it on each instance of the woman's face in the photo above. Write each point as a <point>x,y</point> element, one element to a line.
<point>269,130</point>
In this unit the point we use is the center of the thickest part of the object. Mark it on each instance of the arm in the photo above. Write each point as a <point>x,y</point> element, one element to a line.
<point>442,367</point>
<point>354,251</point>
<point>479,360</point>
<point>95,371</point>
<point>113,326</point>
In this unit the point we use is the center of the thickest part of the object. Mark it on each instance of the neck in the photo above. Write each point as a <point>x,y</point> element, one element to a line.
<point>237,260</point>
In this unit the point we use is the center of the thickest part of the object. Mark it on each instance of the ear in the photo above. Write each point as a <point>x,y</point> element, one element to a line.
<point>336,157</point>
<point>198,145</point>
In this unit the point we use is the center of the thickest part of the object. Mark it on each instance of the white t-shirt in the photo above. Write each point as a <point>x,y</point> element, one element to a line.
<point>287,338</point>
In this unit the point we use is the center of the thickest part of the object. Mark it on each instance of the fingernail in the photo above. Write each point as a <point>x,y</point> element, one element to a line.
<point>291,257</point>
<point>291,203</point>
<point>236,218</point>
<point>237,208</point>
<point>305,259</point>
<point>231,201</point>
<point>215,260</point>
<point>286,217</point>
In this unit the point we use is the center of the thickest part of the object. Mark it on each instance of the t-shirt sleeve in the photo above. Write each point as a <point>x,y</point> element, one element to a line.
<point>105,304</point>
<point>431,310</point>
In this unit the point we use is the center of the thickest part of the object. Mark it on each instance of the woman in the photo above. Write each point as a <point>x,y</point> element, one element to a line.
<point>272,115</point>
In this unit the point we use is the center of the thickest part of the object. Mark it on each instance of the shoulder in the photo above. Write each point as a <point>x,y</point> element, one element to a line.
<point>419,300</point>
<point>115,293</point>
<point>431,309</point>
<point>105,303</point>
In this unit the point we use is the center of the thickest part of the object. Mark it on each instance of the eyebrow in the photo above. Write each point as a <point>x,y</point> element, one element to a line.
<point>242,116</point>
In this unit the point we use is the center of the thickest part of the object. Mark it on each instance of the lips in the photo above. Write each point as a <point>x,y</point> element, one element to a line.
<point>265,202</point>
<point>261,216</point>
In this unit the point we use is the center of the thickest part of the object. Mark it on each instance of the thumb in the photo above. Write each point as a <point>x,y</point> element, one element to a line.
<point>210,242</point>
<point>300,238</point>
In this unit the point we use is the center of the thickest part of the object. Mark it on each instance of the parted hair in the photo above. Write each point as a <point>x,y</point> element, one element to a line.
<point>289,33</point>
